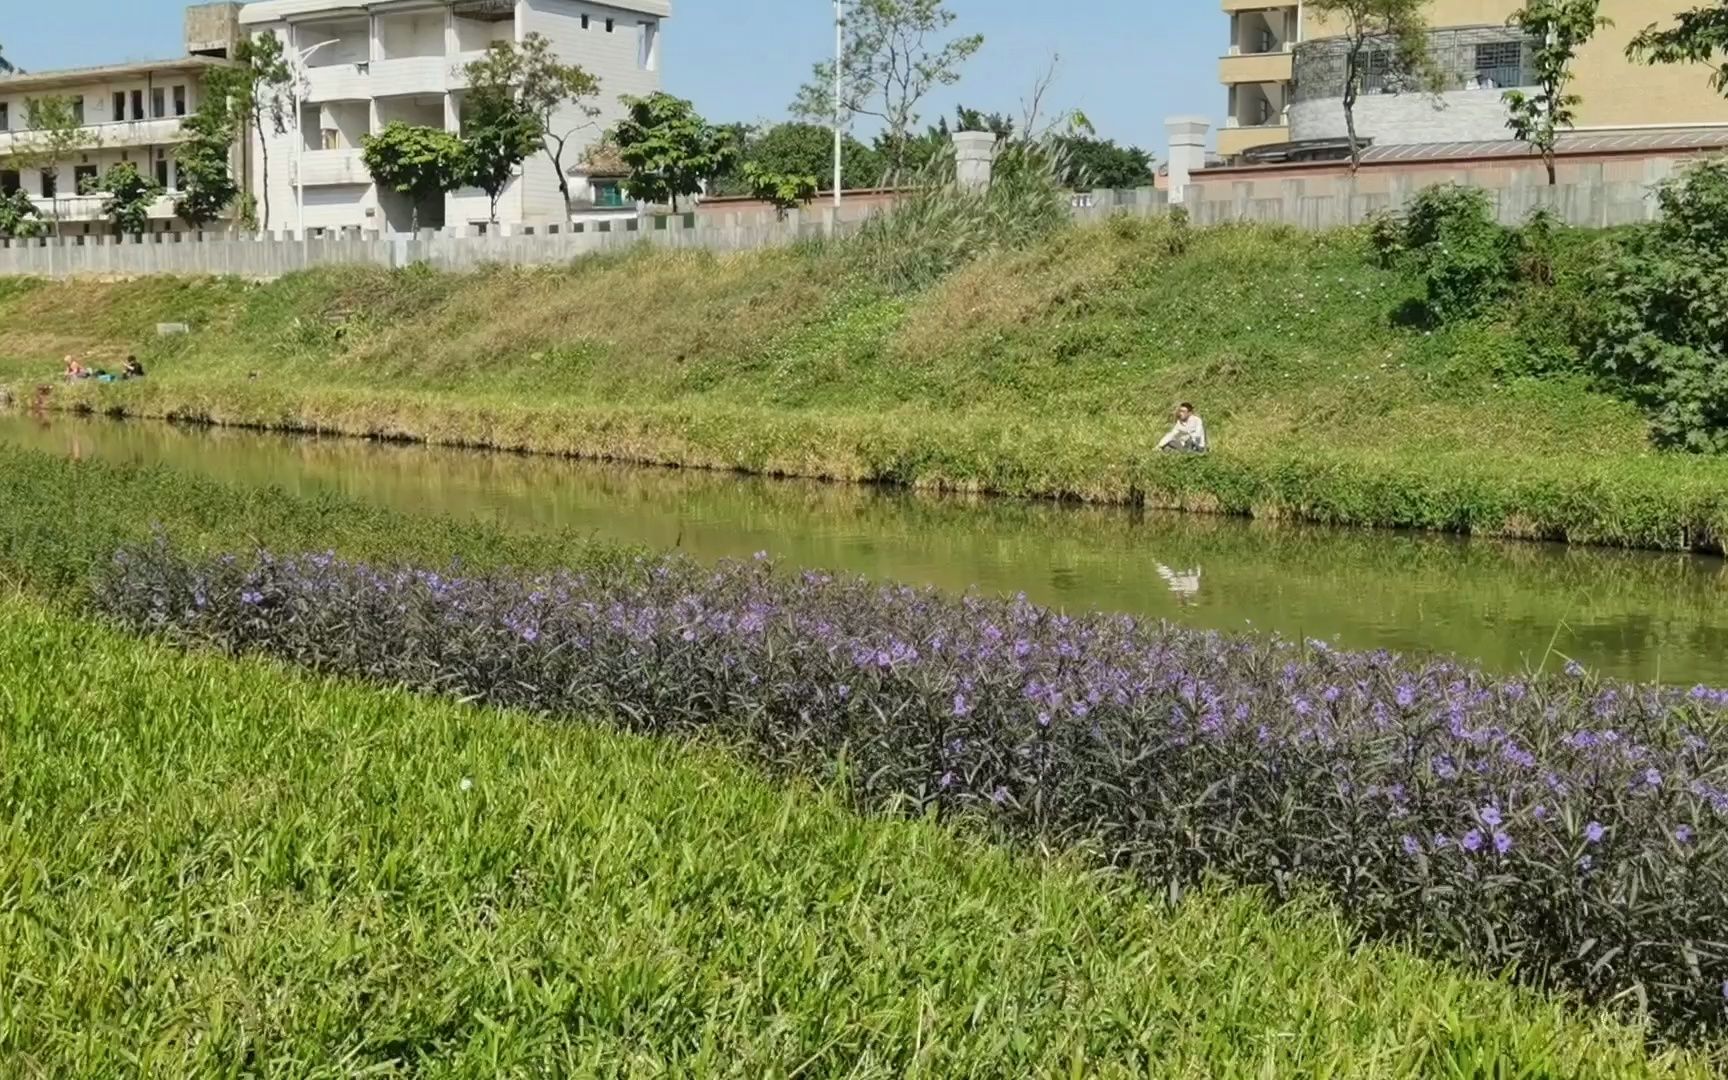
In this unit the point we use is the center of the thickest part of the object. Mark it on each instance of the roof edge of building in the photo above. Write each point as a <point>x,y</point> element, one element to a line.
<point>261,12</point>
<point>26,80</point>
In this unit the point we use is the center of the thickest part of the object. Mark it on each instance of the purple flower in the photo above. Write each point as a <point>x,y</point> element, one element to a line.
<point>1595,831</point>
<point>1406,696</point>
<point>962,706</point>
<point>946,780</point>
<point>251,597</point>
<point>1502,842</point>
<point>1653,777</point>
<point>999,796</point>
<point>1490,815</point>
<point>1539,812</point>
<point>1683,834</point>
<point>1411,847</point>
<point>1472,840</point>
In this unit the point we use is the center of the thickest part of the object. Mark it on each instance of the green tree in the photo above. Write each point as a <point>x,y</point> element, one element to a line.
<point>6,66</point>
<point>415,161</point>
<point>1091,162</point>
<point>54,134</point>
<point>1558,28</point>
<point>129,195</point>
<point>19,218</point>
<point>799,149</point>
<point>498,126</point>
<point>558,97</point>
<point>261,95</point>
<point>889,64</point>
<point>1698,36</point>
<point>669,148</point>
<point>784,190</point>
<point>1377,27</point>
<point>205,159</point>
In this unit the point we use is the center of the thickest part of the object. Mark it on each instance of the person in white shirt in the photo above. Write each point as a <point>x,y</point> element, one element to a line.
<point>1189,434</point>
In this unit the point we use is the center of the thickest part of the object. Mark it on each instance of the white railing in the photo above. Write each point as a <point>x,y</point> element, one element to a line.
<point>320,168</point>
<point>89,207</point>
<point>117,133</point>
<point>338,82</point>
<point>411,75</point>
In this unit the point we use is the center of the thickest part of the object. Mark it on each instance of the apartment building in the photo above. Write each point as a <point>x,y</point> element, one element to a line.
<point>361,65</point>
<point>1284,76</point>
<point>127,112</point>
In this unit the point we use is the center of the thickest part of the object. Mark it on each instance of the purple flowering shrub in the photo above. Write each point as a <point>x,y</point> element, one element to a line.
<point>1568,829</point>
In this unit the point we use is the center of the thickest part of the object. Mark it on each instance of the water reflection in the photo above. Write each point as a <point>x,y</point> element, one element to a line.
<point>1185,584</point>
<point>1511,605</point>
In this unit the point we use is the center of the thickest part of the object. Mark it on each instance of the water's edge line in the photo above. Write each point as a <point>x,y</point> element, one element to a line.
<point>1134,500</point>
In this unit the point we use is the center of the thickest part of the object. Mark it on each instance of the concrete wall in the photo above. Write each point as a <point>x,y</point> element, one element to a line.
<point>1597,194</point>
<point>1590,194</point>
<point>1402,119</point>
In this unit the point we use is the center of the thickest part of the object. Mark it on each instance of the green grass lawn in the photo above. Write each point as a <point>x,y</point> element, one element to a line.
<point>1045,372</point>
<point>216,867</point>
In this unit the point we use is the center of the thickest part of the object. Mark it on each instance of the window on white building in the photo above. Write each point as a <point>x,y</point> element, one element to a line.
<point>78,109</point>
<point>5,116</point>
<point>647,43</point>
<point>119,104</point>
<point>162,178</point>
<point>82,177</point>
<point>609,25</point>
<point>179,101</point>
<point>137,104</point>
<point>10,181</point>
<point>158,102</point>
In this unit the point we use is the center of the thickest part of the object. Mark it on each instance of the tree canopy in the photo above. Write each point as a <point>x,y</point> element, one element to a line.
<point>1698,36</point>
<point>669,148</point>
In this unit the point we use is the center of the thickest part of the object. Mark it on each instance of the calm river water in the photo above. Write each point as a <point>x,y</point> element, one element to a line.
<point>1509,605</point>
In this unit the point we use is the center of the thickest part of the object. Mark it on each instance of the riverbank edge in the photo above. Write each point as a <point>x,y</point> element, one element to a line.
<point>1657,502</point>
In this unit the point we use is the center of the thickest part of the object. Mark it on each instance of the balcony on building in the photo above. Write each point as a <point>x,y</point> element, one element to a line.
<point>338,65</point>
<point>476,25</point>
<point>331,137</point>
<point>1256,117</point>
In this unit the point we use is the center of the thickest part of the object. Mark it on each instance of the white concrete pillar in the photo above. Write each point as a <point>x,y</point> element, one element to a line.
<point>1187,151</point>
<point>974,159</point>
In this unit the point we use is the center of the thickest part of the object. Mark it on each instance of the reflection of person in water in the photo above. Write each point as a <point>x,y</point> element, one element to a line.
<point>1184,583</point>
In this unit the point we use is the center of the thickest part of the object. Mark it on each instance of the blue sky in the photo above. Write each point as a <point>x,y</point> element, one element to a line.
<point>1126,63</point>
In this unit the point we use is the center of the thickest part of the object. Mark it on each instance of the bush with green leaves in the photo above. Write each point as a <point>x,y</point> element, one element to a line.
<point>1464,256</point>
<point>1661,336</point>
<point>19,218</point>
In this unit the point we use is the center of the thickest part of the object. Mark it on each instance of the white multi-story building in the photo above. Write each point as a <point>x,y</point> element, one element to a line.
<point>128,112</point>
<point>361,64</point>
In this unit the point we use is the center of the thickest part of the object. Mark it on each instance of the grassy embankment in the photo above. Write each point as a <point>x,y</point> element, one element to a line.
<point>220,862</point>
<point>1045,372</point>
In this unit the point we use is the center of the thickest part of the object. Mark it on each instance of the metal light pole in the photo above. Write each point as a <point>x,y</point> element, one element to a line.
<point>839,107</point>
<point>299,76</point>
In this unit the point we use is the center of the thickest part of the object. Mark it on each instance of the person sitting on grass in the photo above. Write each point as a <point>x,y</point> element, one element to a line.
<point>133,369</point>
<point>75,370</point>
<point>1189,434</point>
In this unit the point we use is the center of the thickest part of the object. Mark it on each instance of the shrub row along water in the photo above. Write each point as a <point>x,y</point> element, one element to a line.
<point>1570,830</point>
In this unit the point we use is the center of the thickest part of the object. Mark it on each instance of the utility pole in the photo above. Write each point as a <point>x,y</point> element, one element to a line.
<point>839,94</point>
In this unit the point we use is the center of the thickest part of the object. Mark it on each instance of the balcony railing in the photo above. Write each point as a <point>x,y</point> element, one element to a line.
<point>338,82</point>
<point>411,75</point>
<point>323,168</point>
<point>118,133</point>
<point>89,207</point>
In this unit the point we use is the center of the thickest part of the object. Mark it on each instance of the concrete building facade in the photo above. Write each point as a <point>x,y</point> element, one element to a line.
<point>128,113</point>
<point>362,64</point>
<point>1283,73</point>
